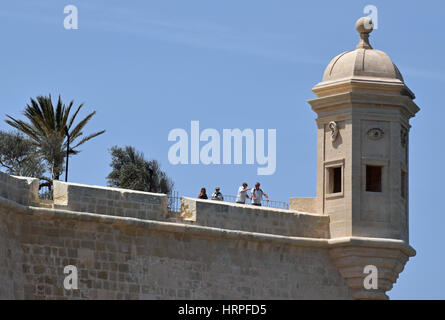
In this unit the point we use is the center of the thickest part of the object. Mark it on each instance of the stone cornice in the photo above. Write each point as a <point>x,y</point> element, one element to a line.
<point>364,99</point>
<point>357,83</point>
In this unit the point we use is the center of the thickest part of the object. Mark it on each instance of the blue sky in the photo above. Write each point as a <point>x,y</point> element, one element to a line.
<point>148,67</point>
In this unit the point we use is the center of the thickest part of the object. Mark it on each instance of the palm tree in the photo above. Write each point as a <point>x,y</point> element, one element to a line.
<point>46,130</point>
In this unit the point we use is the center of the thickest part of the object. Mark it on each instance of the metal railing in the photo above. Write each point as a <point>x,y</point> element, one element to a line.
<point>45,193</point>
<point>174,202</point>
<point>264,203</point>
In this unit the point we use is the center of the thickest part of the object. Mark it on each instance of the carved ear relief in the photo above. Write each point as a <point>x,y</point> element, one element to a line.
<point>334,130</point>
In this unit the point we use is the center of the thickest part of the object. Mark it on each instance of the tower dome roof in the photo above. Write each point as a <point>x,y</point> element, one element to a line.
<point>364,61</point>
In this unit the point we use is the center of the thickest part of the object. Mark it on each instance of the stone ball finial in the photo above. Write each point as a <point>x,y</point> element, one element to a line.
<point>364,26</point>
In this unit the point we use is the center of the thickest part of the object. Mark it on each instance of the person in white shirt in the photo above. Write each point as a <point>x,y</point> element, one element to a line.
<point>257,195</point>
<point>242,194</point>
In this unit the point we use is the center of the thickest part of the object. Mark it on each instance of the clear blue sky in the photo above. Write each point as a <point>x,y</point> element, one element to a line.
<point>148,67</point>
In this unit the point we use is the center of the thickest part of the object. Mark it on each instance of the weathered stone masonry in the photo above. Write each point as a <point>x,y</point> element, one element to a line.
<point>130,258</point>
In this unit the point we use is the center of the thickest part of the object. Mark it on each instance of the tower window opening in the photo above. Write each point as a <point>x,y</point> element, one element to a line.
<point>335,180</point>
<point>374,178</point>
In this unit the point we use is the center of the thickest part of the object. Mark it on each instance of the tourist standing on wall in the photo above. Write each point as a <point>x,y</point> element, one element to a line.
<point>217,195</point>
<point>257,195</point>
<point>202,194</point>
<point>242,194</point>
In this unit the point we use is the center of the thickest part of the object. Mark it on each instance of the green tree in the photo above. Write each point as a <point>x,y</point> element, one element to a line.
<point>130,170</point>
<point>46,130</point>
<point>19,156</point>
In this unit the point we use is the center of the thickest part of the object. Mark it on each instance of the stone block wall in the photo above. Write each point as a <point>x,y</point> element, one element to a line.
<point>11,275</point>
<point>304,204</point>
<point>110,201</point>
<point>254,219</point>
<point>19,189</point>
<point>127,258</point>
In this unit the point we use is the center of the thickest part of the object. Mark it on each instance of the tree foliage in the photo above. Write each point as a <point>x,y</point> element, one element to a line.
<point>19,156</point>
<point>130,170</point>
<point>46,130</point>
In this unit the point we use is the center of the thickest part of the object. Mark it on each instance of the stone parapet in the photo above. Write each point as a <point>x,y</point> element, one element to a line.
<point>304,204</point>
<point>19,189</point>
<point>234,216</point>
<point>110,201</point>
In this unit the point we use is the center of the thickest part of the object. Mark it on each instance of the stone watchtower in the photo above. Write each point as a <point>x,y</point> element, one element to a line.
<point>363,108</point>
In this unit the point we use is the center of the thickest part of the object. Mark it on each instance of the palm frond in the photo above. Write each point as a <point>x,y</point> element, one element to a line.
<point>60,111</point>
<point>89,137</point>
<point>66,114</point>
<point>74,116</point>
<point>78,128</point>
<point>24,127</point>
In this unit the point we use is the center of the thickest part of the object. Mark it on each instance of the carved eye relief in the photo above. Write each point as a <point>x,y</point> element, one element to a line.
<point>375,133</point>
<point>334,130</point>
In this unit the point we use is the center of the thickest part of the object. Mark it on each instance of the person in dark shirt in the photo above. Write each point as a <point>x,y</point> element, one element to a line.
<point>217,195</point>
<point>203,194</point>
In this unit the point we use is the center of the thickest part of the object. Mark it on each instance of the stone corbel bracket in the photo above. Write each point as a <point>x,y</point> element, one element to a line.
<point>351,255</point>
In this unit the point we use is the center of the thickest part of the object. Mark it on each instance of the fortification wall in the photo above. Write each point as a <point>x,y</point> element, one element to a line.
<point>13,190</point>
<point>11,278</point>
<point>143,257</point>
<point>127,258</point>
